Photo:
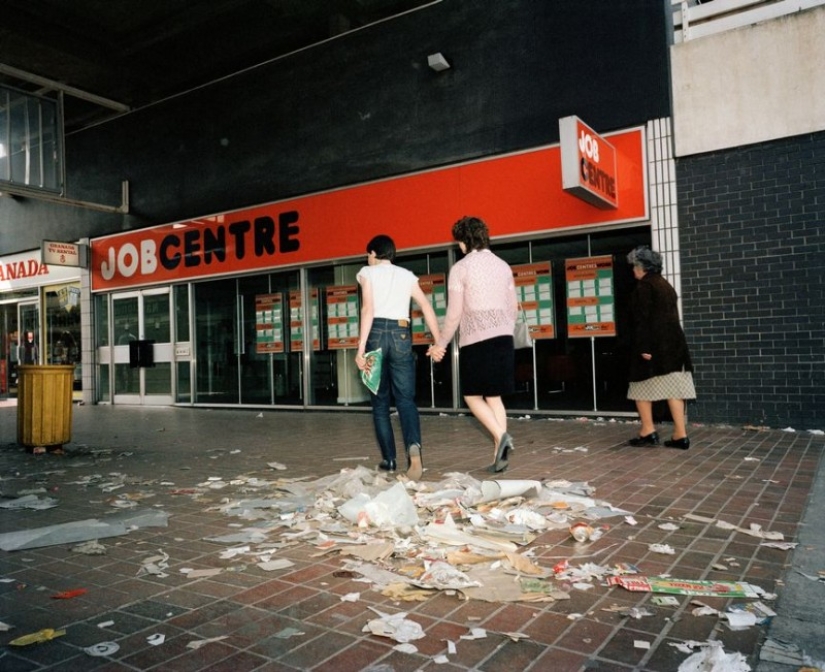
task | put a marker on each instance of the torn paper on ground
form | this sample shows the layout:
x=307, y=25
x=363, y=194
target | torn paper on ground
x=82, y=530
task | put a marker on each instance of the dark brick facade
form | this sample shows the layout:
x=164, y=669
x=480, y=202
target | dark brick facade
x=753, y=286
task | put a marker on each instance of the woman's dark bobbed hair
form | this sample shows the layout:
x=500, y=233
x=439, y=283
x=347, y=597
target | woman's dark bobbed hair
x=473, y=232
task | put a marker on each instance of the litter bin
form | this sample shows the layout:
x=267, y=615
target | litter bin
x=44, y=404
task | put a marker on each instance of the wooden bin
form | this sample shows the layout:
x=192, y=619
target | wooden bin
x=44, y=404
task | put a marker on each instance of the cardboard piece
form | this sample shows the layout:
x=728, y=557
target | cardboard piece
x=684, y=587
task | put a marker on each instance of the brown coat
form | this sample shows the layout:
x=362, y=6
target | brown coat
x=656, y=330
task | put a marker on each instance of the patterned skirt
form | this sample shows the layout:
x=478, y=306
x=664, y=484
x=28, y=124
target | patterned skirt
x=676, y=385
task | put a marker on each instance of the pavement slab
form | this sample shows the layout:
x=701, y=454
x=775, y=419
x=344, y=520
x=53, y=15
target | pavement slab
x=190, y=463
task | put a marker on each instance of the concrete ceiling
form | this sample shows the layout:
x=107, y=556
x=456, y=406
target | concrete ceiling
x=108, y=55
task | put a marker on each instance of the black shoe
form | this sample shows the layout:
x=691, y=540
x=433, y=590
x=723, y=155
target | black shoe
x=387, y=465
x=684, y=444
x=505, y=447
x=651, y=439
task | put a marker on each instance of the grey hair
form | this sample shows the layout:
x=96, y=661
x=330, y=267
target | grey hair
x=646, y=259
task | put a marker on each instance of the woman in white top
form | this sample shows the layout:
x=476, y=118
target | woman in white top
x=386, y=290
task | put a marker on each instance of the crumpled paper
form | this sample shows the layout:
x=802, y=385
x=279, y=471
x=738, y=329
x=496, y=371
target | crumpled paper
x=395, y=626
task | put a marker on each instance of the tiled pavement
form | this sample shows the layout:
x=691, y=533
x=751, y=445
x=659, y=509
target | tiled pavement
x=743, y=476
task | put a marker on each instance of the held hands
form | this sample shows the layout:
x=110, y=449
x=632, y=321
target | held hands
x=361, y=361
x=647, y=356
x=436, y=353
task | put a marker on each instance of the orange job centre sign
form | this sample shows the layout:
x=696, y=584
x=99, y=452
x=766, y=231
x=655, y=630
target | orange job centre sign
x=589, y=168
x=516, y=194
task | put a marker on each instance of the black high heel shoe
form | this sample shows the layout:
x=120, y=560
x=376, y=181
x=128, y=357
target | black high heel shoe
x=684, y=444
x=505, y=447
x=651, y=439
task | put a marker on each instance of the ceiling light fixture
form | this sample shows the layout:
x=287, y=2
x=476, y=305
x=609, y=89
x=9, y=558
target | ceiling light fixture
x=437, y=62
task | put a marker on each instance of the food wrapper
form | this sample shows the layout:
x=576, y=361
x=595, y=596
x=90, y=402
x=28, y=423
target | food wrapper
x=371, y=375
x=684, y=587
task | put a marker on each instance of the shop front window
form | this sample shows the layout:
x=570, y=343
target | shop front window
x=63, y=337
x=244, y=350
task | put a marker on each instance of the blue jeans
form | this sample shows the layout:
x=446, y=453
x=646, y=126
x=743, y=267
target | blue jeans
x=397, y=382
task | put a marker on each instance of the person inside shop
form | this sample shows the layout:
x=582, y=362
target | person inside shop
x=482, y=305
x=660, y=364
x=386, y=291
x=27, y=350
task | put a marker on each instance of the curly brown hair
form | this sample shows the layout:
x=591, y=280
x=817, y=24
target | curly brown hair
x=473, y=232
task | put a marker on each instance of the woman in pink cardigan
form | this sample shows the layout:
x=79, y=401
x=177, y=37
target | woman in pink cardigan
x=482, y=306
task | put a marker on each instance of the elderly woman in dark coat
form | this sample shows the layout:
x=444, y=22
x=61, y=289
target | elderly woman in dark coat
x=660, y=366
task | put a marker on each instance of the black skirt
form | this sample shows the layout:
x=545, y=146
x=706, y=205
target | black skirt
x=487, y=367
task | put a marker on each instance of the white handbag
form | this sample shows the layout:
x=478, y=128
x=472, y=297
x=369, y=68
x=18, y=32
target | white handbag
x=521, y=333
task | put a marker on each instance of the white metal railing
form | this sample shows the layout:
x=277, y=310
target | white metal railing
x=698, y=18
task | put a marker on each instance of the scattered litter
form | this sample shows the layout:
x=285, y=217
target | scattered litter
x=5, y=627
x=103, y=649
x=105, y=624
x=405, y=648
x=273, y=565
x=276, y=465
x=662, y=548
x=668, y=526
x=44, y=635
x=641, y=644
x=157, y=639
x=69, y=594
x=516, y=636
x=702, y=609
x=630, y=520
x=777, y=651
x=198, y=643
x=351, y=597
x=740, y=620
x=155, y=565
x=820, y=575
x=92, y=547
x=685, y=587
x=761, y=612
x=201, y=573
x=754, y=530
x=395, y=626
x=82, y=530
x=782, y=545
x=664, y=601
x=288, y=633
x=475, y=633
x=581, y=532
x=712, y=658
x=29, y=502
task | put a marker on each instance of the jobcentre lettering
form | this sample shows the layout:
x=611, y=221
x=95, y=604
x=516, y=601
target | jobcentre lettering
x=590, y=170
x=204, y=246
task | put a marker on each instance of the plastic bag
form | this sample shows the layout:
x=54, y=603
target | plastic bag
x=371, y=375
x=521, y=332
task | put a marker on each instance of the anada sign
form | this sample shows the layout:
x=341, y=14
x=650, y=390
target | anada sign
x=588, y=164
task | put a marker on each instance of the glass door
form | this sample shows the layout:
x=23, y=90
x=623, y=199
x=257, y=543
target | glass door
x=242, y=341
x=218, y=343
x=142, y=347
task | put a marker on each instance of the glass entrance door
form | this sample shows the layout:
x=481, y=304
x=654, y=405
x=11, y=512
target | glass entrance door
x=238, y=361
x=142, y=347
